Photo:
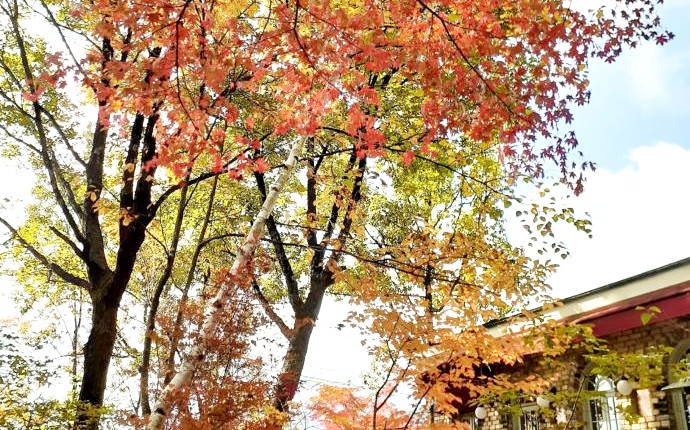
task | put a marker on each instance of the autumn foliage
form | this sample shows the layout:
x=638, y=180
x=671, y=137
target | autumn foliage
x=230, y=389
x=337, y=408
x=409, y=122
x=502, y=74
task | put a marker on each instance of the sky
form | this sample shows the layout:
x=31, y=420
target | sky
x=636, y=129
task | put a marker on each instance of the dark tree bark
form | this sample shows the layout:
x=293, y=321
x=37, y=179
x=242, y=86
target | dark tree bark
x=298, y=346
x=306, y=311
x=108, y=286
x=97, y=353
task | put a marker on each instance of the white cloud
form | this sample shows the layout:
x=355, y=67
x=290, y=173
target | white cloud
x=656, y=76
x=640, y=216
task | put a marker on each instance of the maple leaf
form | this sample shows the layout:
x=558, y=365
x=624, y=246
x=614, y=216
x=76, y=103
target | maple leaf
x=260, y=165
x=408, y=157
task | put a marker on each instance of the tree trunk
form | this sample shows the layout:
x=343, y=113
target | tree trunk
x=155, y=303
x=321, y=278
x=97, y=353
x=296, y=355
x=293, y=363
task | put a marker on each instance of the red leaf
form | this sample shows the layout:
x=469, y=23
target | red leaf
x=408, y=157
x=260, y=165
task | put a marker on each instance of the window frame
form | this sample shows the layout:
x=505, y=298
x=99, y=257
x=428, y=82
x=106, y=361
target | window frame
x=606, y=401
x=534, y=411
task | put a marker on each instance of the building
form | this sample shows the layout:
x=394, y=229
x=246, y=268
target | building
x=651, y=309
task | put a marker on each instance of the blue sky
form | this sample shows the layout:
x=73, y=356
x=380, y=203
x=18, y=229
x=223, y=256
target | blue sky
x=644, y=97
x=636, y=129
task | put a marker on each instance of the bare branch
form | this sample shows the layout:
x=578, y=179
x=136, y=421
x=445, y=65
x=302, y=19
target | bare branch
x=268, y=308
x=285, y=266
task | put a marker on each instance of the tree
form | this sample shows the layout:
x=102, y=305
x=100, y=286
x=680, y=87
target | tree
x=98, y=245
x=337, y=408
x=195, y=89
x=485, y=79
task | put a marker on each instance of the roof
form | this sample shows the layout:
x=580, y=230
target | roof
x=611, y=308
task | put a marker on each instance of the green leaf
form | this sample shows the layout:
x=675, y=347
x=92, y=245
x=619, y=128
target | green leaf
x=645, y=318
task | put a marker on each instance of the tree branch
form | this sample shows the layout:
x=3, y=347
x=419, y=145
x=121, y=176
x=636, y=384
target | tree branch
x=67, y=187
x=75, y=248
x=191, y=271
x=127, y=191
x=63, y=136
x=348, y=219
x=55, y=268
x=76, y=63
x=155, y=303
x=216, y=307
x=18, y=140
x=42, y=136
x=311, y=195
x=320, y=250
x=268, y=308
x=472, y=67
x=202, y=177
x=285, y=266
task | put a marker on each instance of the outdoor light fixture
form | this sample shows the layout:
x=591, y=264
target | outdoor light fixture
x=543, y=402
x=480, y=412
x=624, y=387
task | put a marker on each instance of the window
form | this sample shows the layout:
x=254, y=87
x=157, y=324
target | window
x=529, y=418
x=601, y=413
x=679, y=389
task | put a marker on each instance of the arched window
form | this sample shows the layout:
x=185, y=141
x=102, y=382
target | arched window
x=679, y=389
x=600, y=411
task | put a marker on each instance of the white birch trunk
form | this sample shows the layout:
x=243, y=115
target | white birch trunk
x=215, y=307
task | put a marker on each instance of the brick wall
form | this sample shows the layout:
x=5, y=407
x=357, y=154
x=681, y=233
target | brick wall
x=653, y=406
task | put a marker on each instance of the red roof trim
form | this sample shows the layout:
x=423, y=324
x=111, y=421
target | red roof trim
x=647, y=299
x=673, y=302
